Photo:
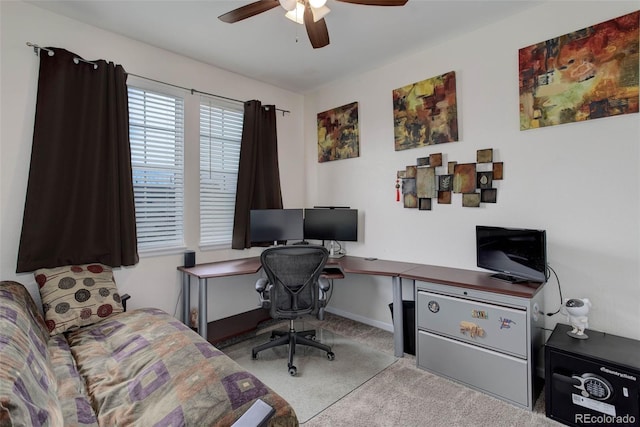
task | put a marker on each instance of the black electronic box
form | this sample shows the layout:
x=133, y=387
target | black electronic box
x=593, y=381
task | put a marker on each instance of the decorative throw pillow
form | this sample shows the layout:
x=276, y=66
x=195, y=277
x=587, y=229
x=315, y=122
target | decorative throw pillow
x=77, y=295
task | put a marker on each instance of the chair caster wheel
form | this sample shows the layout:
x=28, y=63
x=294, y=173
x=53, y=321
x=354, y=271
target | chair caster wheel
x=331, y=355
x=293, y=371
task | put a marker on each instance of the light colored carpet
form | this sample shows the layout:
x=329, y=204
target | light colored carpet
x=404, y=395
x=319, y=381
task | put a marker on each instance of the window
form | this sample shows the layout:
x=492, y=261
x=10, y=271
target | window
x=156, y=132
x=220, y=136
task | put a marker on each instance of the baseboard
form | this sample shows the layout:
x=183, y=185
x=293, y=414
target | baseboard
x=376, y=323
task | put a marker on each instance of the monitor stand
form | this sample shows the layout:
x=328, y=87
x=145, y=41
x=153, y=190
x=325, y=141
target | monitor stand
x=332, y=251
x=508, y=278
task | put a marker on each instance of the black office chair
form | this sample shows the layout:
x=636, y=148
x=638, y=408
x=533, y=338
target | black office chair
x=293, y=288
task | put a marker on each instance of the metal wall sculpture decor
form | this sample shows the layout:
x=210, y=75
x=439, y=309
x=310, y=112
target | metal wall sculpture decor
x=421, y=183
x=426, y=112
x=338, y=133
x=587, y=74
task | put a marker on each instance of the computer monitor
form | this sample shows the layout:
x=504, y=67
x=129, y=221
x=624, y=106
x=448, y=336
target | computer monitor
x=275, y=225
x=331, y=224
x=516, y=254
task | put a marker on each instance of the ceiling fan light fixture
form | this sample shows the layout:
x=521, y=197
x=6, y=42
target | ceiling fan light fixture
x=319, y=12
x=316, y=4
x=297, y=14
x=288, y=5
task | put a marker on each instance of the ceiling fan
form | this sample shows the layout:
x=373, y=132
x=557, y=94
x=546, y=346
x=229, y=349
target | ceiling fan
x=308, y=12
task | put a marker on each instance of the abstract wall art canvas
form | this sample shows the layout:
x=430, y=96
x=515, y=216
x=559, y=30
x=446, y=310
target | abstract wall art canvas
x=464, y=178
x=338, y=134
x=471, y=200
x=426, y=183
x=433, y=180
x=409, y=193
x=587, y=74
x=426, y=112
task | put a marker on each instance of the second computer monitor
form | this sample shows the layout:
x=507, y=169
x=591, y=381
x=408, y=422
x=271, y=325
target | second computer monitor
x=275, y=225
x=338, y=224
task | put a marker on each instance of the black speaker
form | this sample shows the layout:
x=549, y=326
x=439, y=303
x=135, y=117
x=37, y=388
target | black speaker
x=189, y=259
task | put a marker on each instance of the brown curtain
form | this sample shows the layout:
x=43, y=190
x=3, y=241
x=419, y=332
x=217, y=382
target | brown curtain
x=79, y=206
x=258, y=172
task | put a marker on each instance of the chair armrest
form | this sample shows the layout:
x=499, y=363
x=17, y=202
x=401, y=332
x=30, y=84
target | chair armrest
x=123, y=300
x=261, y=285
x=324, y=284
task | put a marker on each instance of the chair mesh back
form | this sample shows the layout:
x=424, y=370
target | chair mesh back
x=293, y=272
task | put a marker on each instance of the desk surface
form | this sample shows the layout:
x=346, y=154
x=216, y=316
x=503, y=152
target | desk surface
x=378, y=267
x=233, y=267
x=470, y=279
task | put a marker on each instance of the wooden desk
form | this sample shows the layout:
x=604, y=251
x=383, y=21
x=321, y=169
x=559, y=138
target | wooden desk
x=397, y=270
x=470, y=279
x=348, y=264
x=206, y=271
x=393, y=269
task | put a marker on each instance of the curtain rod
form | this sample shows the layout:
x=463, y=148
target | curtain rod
x=76, y=59
x=36, y=48
x=199, y=91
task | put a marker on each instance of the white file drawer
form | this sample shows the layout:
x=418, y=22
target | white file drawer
x=501, y=328
x=495, y=373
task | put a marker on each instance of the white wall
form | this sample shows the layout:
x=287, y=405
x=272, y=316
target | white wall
x=578, y=181
x=155, y=280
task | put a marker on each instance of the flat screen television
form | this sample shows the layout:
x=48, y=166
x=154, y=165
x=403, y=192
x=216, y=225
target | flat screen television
x=275, y=225
x=516, y=254
x=339, y=224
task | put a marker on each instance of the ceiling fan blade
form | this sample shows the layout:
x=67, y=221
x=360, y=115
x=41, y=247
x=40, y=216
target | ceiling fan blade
x=317, y=31
x=248, y=10
x=376, y=2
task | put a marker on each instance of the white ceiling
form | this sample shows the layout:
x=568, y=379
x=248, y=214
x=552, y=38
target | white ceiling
x=272, y=49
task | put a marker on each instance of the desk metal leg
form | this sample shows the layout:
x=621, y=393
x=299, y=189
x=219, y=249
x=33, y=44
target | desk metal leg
x=398, y=321
x=202, y=308
x=186, y=298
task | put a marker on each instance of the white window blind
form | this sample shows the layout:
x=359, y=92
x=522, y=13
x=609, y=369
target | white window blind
x=156, y=132
x=220, y=136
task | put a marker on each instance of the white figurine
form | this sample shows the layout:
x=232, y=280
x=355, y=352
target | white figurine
x=576, y=311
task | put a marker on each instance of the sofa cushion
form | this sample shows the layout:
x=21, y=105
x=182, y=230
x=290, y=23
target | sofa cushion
x=72, y=393
x=145, y=368
x=28, y=388
x=77, y=295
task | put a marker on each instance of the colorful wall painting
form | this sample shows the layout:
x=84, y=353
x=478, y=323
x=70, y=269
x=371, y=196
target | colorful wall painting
x=426, y=112
x=426, y=182
x=471, y=200
x=488, y=195
x=587, y=74
x=497, y=170
x=484, y=156
x=464, y=178
x=338, y=133
x=410, y=197
x=432, y=178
